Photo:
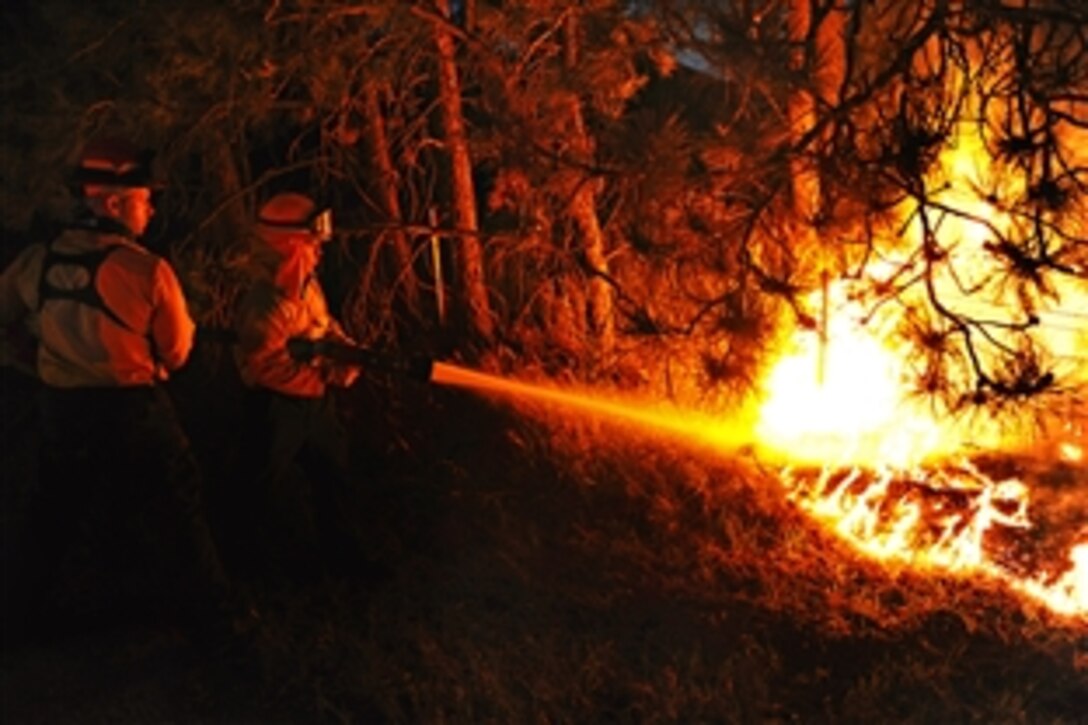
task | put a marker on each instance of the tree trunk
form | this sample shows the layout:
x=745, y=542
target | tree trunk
x=805, y=182
x=469, y=252
x=825, y=69
x=406, y=285
x=818, y=79
x=584, y=209
x=212, y=294
x=470, y=15
x=226, y=185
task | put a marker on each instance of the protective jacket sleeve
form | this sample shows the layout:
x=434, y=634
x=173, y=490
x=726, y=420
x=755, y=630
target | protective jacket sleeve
x=340, y=375
x=267, y=318
x=172, y=328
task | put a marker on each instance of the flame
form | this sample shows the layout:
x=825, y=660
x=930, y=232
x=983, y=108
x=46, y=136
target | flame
x=883, y=470
x=1070, y=452
x=853, y=412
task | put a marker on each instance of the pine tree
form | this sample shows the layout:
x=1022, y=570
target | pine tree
x=470, y=268
x=553, y=79
x=866, y=158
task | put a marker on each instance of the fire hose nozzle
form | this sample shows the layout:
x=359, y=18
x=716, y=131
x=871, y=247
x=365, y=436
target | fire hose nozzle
x=302, y=349
x=416, y=367
x=420, y=368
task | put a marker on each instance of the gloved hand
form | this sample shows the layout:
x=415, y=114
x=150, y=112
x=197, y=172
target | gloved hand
x=343, y=376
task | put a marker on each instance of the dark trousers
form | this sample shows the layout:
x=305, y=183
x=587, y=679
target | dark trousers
x=284, y=432
x=117, y=477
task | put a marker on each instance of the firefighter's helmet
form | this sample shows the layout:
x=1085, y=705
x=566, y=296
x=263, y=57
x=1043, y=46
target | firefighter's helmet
x=296, y=216
x=116, y=163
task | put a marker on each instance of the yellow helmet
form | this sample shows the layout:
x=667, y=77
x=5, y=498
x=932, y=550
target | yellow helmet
x=288, y=215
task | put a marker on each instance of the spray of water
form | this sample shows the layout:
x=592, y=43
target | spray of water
x=721, y=434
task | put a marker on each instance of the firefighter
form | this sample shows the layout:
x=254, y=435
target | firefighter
x=292, y=422
x=112, y=325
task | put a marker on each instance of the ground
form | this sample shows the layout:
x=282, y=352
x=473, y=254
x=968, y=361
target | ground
x=538, y=568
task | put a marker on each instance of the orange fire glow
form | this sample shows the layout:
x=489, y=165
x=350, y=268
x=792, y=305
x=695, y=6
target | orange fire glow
x=885, y=472
x=888, y=473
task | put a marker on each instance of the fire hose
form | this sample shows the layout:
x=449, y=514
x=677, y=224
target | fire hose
x=306, y=350
x=416, y=367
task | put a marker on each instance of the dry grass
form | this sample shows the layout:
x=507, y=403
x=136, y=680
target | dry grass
x=565, y=571
x=579, y=571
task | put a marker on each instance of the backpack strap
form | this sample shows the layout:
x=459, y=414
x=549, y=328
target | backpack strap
x=87, y=294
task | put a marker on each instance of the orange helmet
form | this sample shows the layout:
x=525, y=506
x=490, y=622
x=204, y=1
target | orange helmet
x=114, y=162
x=287, y=216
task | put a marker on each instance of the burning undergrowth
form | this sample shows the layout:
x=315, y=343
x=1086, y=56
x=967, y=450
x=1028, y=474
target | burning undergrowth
x=970, y=497
x=965, y=519
x=887, y=481
x=683, y=585
x=805, y=522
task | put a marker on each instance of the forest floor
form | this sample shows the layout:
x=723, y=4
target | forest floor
x=539, y=569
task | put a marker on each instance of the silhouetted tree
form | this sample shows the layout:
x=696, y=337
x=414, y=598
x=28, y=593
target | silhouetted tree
x=470, y=267
x=649, y=174
x=869, y=154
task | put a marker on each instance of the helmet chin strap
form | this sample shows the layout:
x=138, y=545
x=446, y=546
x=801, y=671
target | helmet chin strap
x=295, y=272
x=96, y=219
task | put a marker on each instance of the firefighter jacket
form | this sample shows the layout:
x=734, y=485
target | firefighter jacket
x=286, y=302
x=106, y=311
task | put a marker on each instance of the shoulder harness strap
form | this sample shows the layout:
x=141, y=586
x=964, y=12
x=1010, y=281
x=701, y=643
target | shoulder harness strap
x=87, y=294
